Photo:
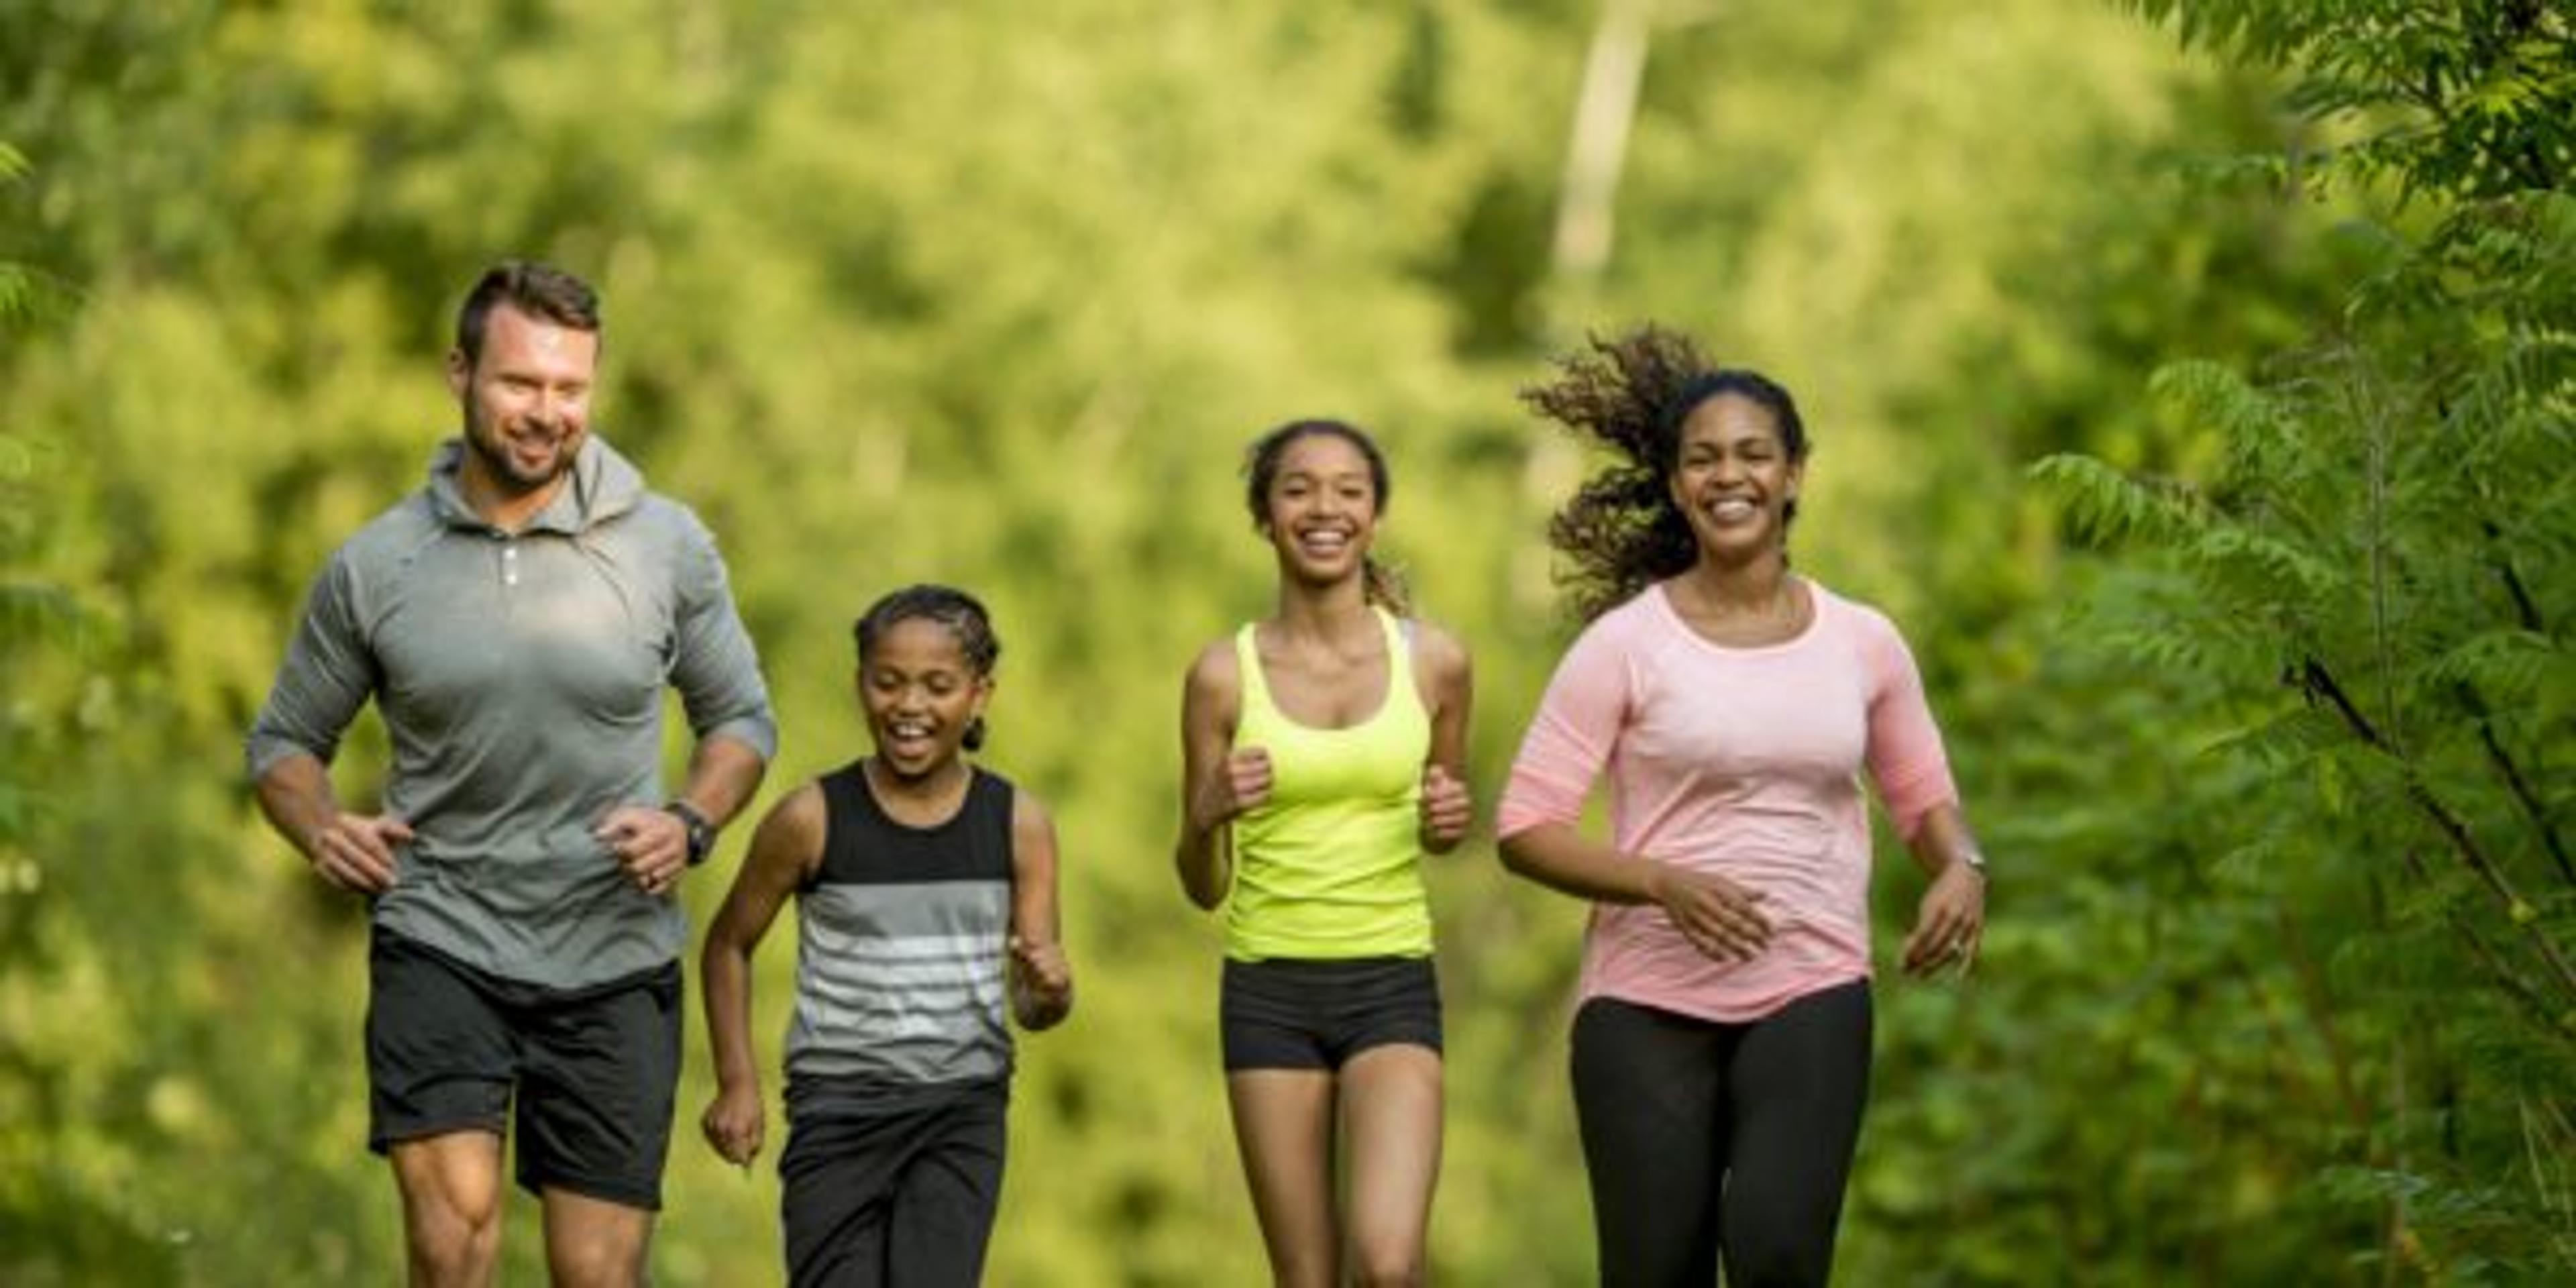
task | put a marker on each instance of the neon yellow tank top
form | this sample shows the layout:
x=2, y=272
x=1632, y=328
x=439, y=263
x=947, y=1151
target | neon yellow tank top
x=1331, y=865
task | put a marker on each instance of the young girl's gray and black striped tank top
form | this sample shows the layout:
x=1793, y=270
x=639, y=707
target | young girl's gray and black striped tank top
x=899, y=966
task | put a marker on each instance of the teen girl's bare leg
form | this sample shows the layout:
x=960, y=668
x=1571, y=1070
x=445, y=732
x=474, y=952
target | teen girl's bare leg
x=1391, y=1127
x=1283, y=1123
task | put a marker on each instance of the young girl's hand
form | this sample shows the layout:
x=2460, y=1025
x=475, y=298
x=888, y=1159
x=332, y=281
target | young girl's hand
x=733, y=1124
x=1041, y=983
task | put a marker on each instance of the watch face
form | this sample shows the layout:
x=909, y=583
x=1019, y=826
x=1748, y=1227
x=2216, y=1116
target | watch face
x=701, y=836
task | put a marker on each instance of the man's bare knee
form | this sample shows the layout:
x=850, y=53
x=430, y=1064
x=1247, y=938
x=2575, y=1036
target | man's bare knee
x=448, y=1251
x=595, y=1263
x=451, y=1192
x=594, y=1243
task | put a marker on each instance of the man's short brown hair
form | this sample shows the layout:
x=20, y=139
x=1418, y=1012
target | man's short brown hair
x=538, y=290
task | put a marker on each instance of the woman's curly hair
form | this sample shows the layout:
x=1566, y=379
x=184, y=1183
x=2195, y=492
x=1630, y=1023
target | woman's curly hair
x=1631, y=394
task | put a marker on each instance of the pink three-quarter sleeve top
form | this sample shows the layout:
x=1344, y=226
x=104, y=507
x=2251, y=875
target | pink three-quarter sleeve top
x=1744, y=762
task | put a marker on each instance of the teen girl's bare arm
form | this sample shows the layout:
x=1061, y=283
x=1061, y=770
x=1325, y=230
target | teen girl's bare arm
x=1218, y=780
x=1445, y=677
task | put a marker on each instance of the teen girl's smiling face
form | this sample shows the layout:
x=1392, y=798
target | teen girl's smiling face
x=1321, y=514
x=1734, y=479
x=921, y=694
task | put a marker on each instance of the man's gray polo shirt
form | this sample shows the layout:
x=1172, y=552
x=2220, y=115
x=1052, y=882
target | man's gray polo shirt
x=521, y=676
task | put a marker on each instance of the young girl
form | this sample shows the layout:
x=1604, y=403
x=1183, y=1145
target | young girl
x=1323, y=754
x=1721, y=1053
x=926, y=894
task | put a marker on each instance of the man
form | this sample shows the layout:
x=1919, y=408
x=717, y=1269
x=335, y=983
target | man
x=515, y=621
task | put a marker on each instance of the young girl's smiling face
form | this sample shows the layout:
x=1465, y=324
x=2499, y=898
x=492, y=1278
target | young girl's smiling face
x=921, y=695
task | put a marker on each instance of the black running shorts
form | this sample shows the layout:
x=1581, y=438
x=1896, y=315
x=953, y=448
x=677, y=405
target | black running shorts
x=1301, y=1014
x=593, y=1070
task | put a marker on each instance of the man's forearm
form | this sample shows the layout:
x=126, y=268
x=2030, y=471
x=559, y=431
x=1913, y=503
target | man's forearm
x=723, y=774
x=295, y=793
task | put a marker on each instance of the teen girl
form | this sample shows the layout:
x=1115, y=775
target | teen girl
x=1323, y=753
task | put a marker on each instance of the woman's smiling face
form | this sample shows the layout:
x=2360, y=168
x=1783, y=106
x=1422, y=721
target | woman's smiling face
x=1733, y=477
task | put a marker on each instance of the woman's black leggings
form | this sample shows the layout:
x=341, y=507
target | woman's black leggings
x=1709, y=1140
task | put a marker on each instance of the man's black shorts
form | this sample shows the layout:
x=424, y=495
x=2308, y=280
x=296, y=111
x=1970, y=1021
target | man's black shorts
x=594, y=1069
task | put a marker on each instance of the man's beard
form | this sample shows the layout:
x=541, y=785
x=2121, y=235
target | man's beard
x=492, y=447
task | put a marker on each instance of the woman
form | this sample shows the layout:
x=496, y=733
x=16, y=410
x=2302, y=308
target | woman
x=926, y=892
x=1721, y=1048
x=1323, y=754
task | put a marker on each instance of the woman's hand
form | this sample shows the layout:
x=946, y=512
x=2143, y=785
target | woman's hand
x=1950, y=921
x=1716, y=915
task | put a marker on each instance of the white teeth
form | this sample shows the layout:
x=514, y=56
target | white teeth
x=1732, y=508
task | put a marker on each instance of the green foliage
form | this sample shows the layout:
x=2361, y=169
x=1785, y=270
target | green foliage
x=2469, y=99
x=2375, y=578
x=26, y=296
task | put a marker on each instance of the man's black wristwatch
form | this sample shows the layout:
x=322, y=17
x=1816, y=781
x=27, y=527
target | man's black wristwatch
x=702, y=834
